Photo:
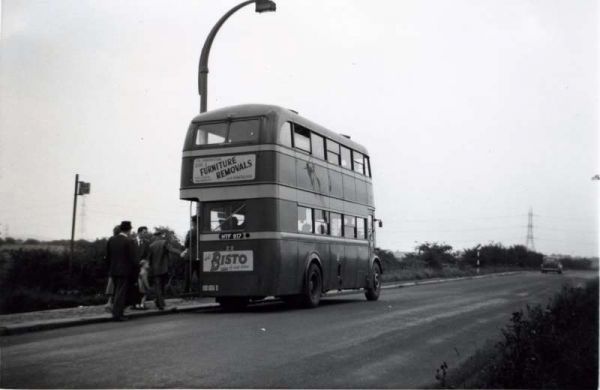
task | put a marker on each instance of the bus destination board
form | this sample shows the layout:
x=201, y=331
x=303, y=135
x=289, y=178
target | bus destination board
x=218, y=169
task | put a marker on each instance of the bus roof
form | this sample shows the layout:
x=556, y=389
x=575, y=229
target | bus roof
x=251, y=110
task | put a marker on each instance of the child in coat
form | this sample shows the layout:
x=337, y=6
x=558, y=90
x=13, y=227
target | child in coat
x=143, y=283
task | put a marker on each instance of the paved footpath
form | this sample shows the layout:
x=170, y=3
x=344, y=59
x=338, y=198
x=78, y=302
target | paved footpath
x=58, y=318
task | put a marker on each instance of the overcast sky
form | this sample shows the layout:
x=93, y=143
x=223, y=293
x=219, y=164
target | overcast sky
x=472, y=111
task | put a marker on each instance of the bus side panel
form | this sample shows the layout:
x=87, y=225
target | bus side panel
x=330, y=280
x=286, y=170
x=287, y=216
x=361, y=191
x=304, y=175
x=335, y=184
x=350, y=265
x=363, y=265
x=338, y=256
x=289, y=268
x=349, y=187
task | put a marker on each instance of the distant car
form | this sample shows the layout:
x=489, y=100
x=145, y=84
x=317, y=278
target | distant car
x=551, y=266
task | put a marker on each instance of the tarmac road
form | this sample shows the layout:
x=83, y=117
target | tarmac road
x=396, y=342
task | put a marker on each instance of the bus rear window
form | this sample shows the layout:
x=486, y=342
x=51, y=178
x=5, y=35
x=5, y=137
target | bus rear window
x=226, y=216
x=228, y=132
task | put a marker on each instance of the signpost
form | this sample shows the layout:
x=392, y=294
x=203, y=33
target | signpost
x=81, y=188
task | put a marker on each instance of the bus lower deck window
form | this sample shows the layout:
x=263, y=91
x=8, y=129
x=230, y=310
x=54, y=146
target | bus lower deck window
x=227, y=216
x=335, y=224
x=304, y=220
x=349, y=226
x=360, y=228
x=321, y=222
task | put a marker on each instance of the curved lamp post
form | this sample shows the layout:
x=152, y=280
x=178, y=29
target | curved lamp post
x=261, y=6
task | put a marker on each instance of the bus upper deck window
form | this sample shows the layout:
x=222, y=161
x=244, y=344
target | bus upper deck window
x=367, y=166
x=285, y=135
x=213, y=133
x=359, y=162
x=243, y=131
x=317, y=146
x=333, y=152
x=346, y=162
x=302, y=138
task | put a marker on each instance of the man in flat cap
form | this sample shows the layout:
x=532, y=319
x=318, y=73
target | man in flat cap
x=122, y=256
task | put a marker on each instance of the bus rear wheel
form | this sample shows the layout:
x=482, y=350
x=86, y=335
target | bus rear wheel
x=313, y=287
x=232, y=303
x=372, y=292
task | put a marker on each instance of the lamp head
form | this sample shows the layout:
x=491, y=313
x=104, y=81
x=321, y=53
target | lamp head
x=265, y=6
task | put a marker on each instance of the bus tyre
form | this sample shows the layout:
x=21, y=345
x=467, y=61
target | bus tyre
x=372, y=292
x=233, y=303
x=313, y=287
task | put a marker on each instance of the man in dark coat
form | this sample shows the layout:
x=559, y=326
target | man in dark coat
x=159, y=265
x=191, y=255
x=142, y=251
x=122, y=255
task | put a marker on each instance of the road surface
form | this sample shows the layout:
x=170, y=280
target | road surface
x=396, y=342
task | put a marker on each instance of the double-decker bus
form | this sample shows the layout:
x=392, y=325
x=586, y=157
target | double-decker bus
x=285, y=207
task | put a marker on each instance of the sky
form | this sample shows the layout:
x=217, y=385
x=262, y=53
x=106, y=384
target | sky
x=473, y=111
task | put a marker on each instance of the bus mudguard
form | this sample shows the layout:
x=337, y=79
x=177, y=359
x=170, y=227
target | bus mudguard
x=312, y=257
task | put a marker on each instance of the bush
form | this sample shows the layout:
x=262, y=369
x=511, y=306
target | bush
x=555, y=347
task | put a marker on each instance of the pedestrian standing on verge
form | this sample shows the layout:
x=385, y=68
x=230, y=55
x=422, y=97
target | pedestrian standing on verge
x=142, y=245
x=121, y=253
x=190, y=255
x=159, y=265
x=110, y=287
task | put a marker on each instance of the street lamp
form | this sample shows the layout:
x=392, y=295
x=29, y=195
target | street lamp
x=261, y=6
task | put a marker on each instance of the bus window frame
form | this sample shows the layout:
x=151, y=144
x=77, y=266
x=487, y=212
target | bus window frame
x=296, y=127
